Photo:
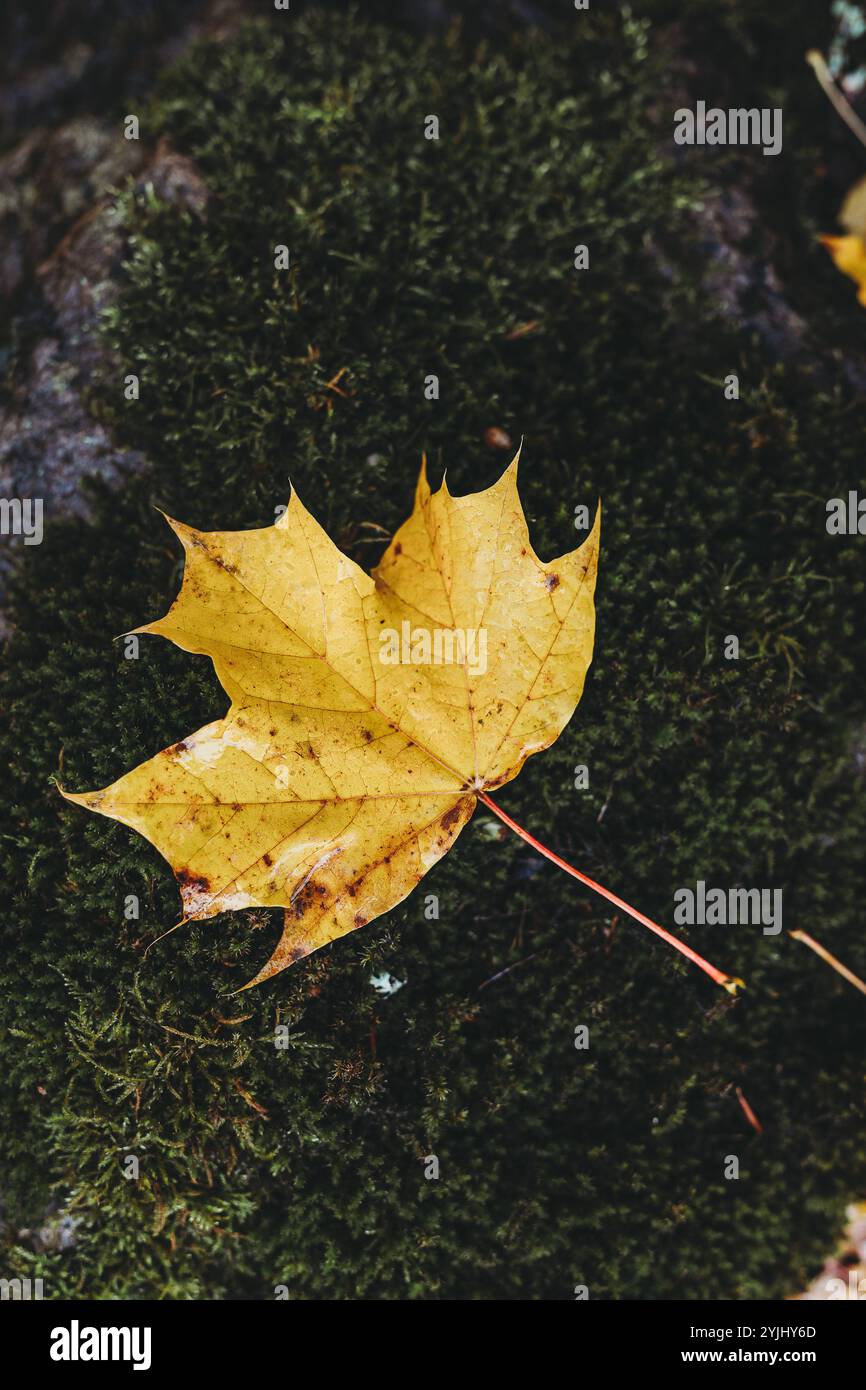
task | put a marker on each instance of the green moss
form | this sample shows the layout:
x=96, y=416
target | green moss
x=557, y=1167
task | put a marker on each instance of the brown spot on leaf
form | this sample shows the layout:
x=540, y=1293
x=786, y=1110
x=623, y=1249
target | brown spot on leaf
x=451, y=817
x=225, y=565
x=551, y=582
x=266, y=859
x=305, y=897
x=366, y=736
x=398, y=549
x=195, y=883
x=360, y=920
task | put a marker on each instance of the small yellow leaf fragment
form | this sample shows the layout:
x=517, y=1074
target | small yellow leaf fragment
x=852, y=214
x=849, y=255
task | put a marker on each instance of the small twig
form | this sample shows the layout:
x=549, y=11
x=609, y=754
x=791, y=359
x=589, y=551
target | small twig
x=728, y=982
x=522, y=330
x=251, y=1102
x=600, y=817
x=841, y=105
x=749, y=1112
x=829, y=958
x=507, y=971
x=333, y=386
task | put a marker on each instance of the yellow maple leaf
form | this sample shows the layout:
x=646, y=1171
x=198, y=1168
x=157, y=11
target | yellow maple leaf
x=367, y=713
x=849, y=256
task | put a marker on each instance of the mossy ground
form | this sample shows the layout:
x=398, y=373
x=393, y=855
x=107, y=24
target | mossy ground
x=304, y=1167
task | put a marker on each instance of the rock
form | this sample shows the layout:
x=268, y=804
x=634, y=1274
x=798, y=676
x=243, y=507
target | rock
x=175, y=179
x=49, y=440
x=50, y=179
